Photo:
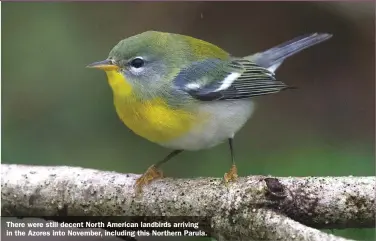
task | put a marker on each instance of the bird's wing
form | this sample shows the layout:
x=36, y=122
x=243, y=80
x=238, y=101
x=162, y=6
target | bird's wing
x=215, y=79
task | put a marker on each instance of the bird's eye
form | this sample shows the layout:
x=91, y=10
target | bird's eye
x=137, y=63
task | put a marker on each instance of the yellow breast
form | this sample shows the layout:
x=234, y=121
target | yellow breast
x=151, y=119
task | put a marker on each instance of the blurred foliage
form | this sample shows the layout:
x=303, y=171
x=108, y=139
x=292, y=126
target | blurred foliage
x=56, y=112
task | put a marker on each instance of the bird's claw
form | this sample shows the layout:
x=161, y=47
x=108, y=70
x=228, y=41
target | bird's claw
x=232, y=175
x=151, y=173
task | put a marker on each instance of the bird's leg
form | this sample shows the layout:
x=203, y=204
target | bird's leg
x=232, y=175
x=153, y=172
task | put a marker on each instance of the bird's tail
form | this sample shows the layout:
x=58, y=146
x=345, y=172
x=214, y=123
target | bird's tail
x=273, y=58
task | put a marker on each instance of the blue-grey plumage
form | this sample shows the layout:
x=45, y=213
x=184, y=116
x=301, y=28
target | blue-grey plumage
x=215, y=79
x=187, y=94
x=273, y=58
x=239, y=78
x=223, y=90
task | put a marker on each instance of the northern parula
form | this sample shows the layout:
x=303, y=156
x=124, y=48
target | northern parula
x=187, y=94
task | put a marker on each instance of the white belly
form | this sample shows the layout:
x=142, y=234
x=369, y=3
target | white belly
x=226, y=118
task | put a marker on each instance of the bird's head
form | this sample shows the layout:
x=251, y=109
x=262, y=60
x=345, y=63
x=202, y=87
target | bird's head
x=150, y=60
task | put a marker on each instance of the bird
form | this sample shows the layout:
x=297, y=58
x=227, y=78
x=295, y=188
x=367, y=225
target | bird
x=187, y=94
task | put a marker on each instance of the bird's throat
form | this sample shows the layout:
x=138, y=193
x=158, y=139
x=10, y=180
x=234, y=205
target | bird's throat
x=119, y=83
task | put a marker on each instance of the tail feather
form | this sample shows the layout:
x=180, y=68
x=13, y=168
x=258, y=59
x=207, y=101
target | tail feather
x=273, y=58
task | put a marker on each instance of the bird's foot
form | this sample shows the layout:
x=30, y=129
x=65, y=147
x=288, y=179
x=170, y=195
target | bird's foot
x=151, y=173
x=232, y=175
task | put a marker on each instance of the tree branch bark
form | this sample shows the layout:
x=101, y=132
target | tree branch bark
x=254, y=207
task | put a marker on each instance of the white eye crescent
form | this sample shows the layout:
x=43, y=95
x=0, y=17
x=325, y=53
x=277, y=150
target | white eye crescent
x=137, y=64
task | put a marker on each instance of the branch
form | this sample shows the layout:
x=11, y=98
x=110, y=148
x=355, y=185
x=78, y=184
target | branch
x=254, y=207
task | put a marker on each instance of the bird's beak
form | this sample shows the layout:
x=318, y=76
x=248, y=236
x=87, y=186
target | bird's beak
x=105, y=65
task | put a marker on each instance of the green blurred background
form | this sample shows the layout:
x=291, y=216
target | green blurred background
x=57, y=112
